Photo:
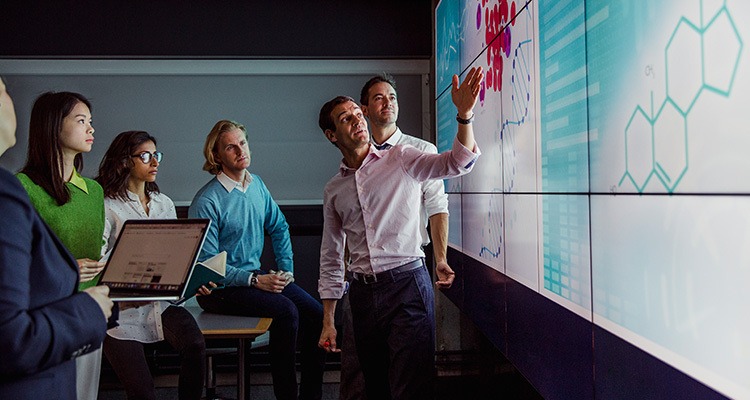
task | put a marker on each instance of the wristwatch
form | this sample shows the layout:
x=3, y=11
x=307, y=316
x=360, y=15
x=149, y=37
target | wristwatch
x=465, y=121
x=253, y=279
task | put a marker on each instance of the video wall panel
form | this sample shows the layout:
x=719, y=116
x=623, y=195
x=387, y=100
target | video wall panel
x=613, y=176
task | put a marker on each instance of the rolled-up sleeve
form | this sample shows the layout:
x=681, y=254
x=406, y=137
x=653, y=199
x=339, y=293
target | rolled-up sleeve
x=424, y=166
x=464, y=157
x=434, y=198
x=331, y=281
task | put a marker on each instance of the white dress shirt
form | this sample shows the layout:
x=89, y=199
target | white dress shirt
x=230, y=184
x=142, y=324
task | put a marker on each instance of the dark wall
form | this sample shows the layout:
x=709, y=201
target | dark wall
x=559, y=352
x=222, y=28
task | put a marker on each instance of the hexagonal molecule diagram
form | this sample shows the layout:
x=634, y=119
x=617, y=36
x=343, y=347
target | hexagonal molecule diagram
x=664, y=134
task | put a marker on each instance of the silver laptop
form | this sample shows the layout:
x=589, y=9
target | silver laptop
x=153, y=259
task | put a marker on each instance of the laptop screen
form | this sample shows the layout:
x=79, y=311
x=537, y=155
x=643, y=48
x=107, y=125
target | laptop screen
x=154, y=255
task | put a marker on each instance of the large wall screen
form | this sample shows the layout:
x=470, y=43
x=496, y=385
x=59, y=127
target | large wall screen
x=614, y=178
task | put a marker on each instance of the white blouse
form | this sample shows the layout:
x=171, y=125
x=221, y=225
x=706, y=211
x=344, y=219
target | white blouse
x=142, y=324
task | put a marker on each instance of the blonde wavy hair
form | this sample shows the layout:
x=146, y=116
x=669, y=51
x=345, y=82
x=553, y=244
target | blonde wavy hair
x=212, y=140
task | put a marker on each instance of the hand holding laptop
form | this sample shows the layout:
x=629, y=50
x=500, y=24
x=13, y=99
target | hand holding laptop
x=100, y=294
x=89, y=268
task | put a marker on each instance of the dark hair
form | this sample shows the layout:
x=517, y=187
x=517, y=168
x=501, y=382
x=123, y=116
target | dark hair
x=365, y=93
x=114, y=170
x=45, y=147
x=325, y=120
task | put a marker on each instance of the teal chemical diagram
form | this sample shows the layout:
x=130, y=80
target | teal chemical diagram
x=649, y=132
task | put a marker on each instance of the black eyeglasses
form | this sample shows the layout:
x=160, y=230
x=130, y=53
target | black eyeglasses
x=146, y=156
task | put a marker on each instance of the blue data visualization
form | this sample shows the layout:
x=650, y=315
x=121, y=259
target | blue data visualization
x=614, y=176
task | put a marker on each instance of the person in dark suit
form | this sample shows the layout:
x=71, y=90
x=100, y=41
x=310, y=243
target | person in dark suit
x=45, y=322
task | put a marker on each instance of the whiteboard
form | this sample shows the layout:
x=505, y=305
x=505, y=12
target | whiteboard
x=179, y=101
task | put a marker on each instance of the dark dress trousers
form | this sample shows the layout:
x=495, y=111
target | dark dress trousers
x=44, y=321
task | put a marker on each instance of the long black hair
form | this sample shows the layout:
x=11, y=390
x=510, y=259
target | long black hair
x=114, y=170
x=44, y=159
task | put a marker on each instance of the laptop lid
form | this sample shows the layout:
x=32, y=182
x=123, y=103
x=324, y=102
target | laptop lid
x=152, y=259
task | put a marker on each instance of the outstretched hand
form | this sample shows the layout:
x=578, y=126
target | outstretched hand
x=465, y=95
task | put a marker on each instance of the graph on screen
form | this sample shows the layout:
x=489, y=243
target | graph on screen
x=613, y=176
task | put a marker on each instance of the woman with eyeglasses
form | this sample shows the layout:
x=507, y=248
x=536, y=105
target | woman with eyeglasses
x=60, y=130
x=128, y=175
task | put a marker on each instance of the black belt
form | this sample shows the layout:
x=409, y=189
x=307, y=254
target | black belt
x=368, y=279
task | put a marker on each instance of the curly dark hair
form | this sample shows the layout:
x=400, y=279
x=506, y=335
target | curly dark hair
x=114, y=170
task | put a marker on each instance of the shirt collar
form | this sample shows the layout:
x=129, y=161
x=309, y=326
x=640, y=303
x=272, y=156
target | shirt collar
x=77, y=180
x=393, y=140
x=345, y=170
x=230, y=184
x=373, y=152
x=134, y=197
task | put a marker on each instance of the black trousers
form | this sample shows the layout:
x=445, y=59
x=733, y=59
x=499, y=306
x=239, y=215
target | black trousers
x=394, y=330
x=182, y=333
x=352, y=384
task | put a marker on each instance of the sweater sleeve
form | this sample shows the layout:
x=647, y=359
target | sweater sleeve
x=277, y=227
x=203, y=207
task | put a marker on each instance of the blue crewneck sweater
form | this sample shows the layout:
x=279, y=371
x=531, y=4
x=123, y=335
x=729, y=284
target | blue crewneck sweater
x=238, y=224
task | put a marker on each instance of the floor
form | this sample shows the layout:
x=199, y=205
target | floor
x=457, y=378
x=260, y=387
x=448, y=388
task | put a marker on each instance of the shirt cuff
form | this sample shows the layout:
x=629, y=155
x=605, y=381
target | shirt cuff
x=464, y=156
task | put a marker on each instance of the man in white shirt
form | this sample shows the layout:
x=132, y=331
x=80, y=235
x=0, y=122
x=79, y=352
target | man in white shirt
x=379, y=102
x=372, y=206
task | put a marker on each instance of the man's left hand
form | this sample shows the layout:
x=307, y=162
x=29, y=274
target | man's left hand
x=445, y=275
x=465, y=95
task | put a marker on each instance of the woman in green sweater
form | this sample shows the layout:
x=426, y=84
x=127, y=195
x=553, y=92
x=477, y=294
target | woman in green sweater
x=73, y=206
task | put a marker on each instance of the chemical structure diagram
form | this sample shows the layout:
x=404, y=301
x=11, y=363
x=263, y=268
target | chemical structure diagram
x=688, y=76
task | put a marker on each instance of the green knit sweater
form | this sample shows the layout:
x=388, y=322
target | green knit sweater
x=78, y=223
